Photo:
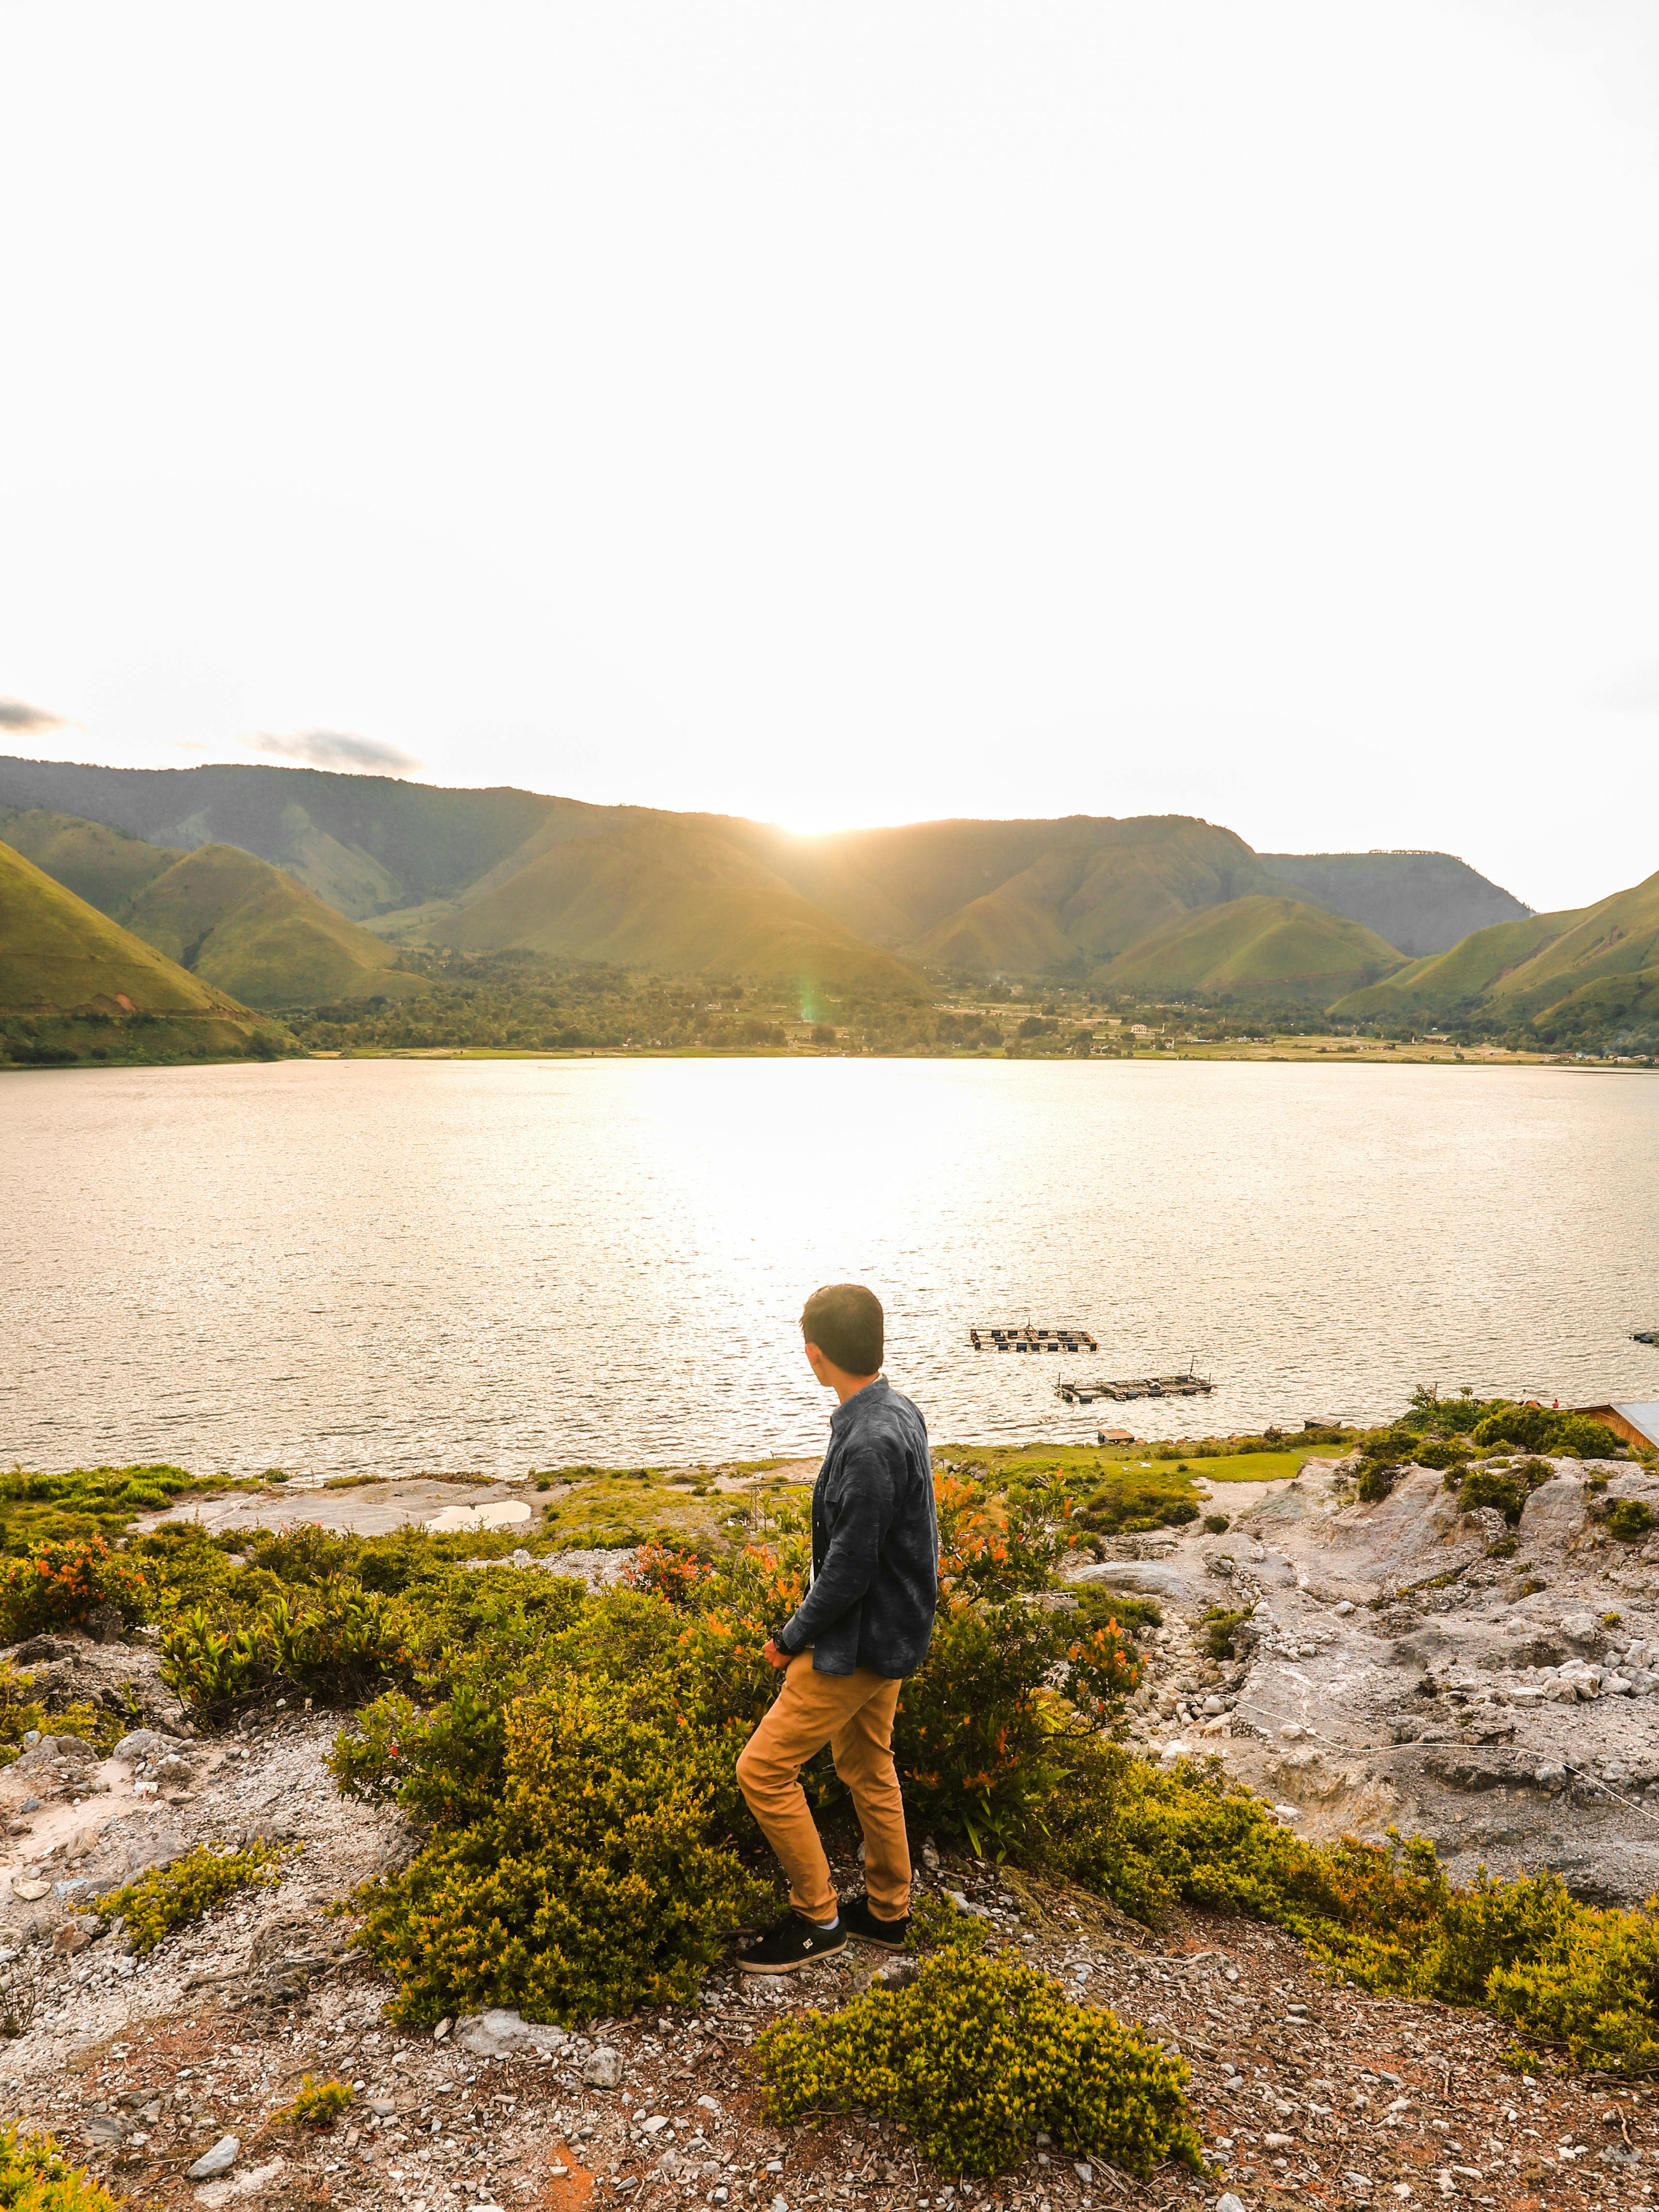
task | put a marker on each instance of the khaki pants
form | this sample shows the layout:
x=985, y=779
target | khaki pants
x=854, y=1715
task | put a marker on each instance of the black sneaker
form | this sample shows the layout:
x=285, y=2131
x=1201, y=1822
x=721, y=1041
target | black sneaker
x=792, y=1944
x=861, y=1923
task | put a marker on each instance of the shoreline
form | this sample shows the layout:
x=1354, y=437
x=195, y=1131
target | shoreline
x=1292, y=1052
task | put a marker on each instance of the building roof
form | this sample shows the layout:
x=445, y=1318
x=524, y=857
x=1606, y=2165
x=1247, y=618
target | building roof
x=1644, y=1415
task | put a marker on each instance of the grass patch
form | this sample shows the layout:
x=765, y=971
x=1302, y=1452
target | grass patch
x=92, y=1501
x=610, y=1509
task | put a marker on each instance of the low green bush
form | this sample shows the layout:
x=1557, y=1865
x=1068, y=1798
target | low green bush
x=1543, y=1429
x=582, y=1857
x=1376, y=1482
x=21, y=1711
x=1216, y=1524
x=975, y=2057
x=319, y=2103
x=172, y=1896
x=1442, y=1453
x=183, y=1566
x=1629, y=1520
x=59, y=1581
x=936, y=1925
x=1485, y=1486
x=1220, y=1627
x=1384, y=1915
x=335, y=1641
x=35, y=2177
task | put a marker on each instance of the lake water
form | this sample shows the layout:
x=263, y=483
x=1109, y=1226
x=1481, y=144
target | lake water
x=397, y=1266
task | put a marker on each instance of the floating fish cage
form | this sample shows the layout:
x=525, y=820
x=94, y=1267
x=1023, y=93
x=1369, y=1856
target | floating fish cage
x=1029, y=1338
x=1139, y=1386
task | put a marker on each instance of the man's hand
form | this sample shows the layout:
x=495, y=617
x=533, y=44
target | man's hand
x=774, y=1656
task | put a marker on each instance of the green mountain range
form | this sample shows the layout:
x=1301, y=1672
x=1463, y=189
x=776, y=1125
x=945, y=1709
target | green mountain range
x=229, y=918
x=875, y=911
x=58, y=955
x=1589, y=969
x=1255, y=947
x=1420, y=902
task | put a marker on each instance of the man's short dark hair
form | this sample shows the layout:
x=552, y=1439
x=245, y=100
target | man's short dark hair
x=845, y=1322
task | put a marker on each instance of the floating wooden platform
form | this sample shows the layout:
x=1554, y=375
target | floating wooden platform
x=1027, y=1337
x=1139, y=1386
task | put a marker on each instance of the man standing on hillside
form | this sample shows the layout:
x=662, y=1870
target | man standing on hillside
x=862, y=1626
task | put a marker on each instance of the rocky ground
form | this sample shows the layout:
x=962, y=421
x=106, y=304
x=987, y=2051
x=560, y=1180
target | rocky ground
x=1408, y=1664
x=1399, y=1668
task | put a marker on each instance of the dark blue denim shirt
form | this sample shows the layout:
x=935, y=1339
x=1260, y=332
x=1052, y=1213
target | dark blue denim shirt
x=875, y=1541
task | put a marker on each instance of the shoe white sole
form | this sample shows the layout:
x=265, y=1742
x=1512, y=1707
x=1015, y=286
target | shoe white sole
x=789, y=1965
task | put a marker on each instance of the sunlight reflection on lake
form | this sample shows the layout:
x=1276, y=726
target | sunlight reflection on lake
x=392, y=1266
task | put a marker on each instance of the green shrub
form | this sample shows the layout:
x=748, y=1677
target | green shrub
x=1485, y=1487
x=1220, y=1627
x=975, y=1735
x=335, y=1642
x=1132, y=1497
x=975, y=2057
x=169, y=1897
x=215, y=1669
x=1431, y=1414
x=1629, y=1520
x=182, y=1566
x=936, y=1925
x=1216, y=1524
x=1385, y=1915
x=1374, y=1483
x=339, y=1642
x=1150, y=1839
x=998, y=1548
x=34, y=2177
x=1563, y=1971
x=319, y=2103
x=581, y=1858
x=1442, y=1454
x=1542, y=1428
x=59, y=1581
x=20, y=1712
x=304, y=1553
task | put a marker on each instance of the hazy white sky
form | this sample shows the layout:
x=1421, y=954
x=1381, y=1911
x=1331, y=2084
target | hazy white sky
x=853, y=413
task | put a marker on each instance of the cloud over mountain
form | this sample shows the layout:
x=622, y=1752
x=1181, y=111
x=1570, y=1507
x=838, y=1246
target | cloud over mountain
x=338, y=749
